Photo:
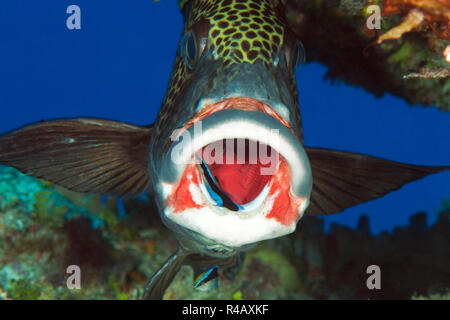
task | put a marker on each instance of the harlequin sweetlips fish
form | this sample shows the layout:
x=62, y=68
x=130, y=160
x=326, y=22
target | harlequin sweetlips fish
x=224, y=160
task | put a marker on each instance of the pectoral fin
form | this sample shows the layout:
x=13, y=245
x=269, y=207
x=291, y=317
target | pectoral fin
x=84, y=155
x=160, y=281
x=204, y=267
x=344, y=179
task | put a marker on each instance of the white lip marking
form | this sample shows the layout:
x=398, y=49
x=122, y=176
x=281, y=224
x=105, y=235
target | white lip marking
x=230, y=229
x=256, y=203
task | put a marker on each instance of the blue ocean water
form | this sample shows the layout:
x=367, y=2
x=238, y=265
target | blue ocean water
x=118, y=64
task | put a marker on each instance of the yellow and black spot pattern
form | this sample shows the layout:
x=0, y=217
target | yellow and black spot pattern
x=242, y=30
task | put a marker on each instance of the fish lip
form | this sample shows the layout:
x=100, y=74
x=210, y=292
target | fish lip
x=208, y=106
x=236, y=103
x=229, y=123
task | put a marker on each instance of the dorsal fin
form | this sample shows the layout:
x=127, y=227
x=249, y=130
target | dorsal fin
x=185, y=7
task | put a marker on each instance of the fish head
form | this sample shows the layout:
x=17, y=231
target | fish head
x=227, y=161
x=224, y=158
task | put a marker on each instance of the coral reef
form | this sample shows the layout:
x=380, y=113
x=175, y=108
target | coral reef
x=44, y=229
x=405, y=57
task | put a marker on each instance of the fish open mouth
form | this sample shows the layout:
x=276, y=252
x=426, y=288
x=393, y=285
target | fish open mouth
x=236, y=175
x=235, y=171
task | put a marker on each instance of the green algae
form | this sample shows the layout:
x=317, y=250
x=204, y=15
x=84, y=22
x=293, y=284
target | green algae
x=237, y=295
x=433, y=297
x=23, y=290
x=286, y=272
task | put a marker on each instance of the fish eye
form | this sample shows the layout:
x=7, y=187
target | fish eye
x=298, y=56
x=189, y=49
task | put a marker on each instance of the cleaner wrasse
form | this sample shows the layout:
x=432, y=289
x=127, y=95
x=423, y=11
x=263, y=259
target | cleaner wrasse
x=224, y=160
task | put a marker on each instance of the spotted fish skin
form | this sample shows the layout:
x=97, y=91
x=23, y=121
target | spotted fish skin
x=244, y=41
x=241, y=30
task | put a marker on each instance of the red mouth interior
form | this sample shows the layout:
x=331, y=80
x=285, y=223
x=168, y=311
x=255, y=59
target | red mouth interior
x=244, y=181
